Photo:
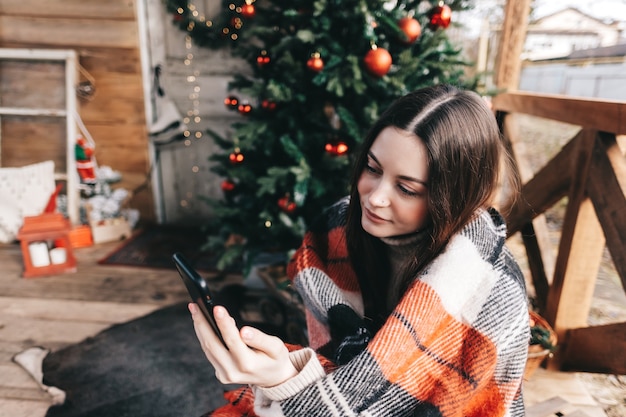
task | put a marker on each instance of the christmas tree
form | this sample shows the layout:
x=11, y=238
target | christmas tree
x=321, y=71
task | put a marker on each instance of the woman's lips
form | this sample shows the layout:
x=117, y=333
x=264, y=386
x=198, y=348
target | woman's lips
x=373, y=217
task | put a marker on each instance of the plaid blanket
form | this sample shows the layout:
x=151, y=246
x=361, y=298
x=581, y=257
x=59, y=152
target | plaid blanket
x=455, y=345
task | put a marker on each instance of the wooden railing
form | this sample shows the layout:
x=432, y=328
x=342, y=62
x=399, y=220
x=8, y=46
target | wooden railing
x=590, y=170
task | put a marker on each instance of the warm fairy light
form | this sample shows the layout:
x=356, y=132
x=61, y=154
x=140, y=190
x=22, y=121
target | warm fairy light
x=268, y=223
x=195, y=169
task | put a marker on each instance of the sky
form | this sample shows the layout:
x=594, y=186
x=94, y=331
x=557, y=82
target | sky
x=602, y=9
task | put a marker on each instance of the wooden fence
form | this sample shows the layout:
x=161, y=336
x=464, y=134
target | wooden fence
x=590, y=170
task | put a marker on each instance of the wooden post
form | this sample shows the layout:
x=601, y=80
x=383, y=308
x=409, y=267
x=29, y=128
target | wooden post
x=512, y=38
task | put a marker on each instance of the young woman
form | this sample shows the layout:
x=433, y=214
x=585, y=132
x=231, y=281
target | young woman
x=415, y=307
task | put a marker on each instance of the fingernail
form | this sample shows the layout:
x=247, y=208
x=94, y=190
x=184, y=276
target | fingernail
x=247, y=333
x=192, y=308
x=219, y=311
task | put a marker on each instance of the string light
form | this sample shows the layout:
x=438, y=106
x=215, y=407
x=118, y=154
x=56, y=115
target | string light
x=192, y=118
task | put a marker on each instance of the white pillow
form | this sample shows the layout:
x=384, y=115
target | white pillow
x=24, y=191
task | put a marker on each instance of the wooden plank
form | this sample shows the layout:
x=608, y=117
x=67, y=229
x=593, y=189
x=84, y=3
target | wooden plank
x=536, y=265
x=73, y=310
x=600, y=349
x=569, y=298
x=28, y=140
x=94, y=9
x=63, y=32
x=117, y=100
x=607, y=189
x=18, y=78
x=100, y=61
x=25, y=394
x=20, y=408
x=545, y=189
x=580, y=249
x=546, y=408
x=535, y=234
x=597, y=114
x=511, y=44
x=48, y=331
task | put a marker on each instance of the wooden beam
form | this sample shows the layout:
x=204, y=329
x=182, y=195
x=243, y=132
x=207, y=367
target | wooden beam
x=536, y=265
x=547, y=187
x=512, y=38
x=95, y=9
x=580, y=249
x=607, y=189
x=599, y=349
x=601, y=115
x=62, y=32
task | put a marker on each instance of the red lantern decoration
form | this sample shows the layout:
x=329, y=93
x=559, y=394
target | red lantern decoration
x=336, y=148
x=286, y=204
x=263, y=59
x=315, y=63
x=236, y=157
x=377, y=61
x=227, y=186
x=244, y=108
x=231, y=102
x=440, y=16
x=247, y=10
x=411, y=28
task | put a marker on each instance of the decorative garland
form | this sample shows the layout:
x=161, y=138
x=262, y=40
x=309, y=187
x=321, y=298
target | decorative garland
x=215, y=33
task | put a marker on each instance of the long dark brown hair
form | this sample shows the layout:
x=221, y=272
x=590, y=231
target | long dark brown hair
x=465, y=150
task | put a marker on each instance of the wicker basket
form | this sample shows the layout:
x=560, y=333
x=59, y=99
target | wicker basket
x=537, y=353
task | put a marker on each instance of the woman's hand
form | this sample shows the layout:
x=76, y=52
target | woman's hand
x=252, y=357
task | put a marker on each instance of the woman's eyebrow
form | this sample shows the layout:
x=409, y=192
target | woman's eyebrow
x=371, y=155
x=403, y=177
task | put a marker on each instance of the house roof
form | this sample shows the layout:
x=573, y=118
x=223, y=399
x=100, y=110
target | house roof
x=600, y=52
x=574, y=9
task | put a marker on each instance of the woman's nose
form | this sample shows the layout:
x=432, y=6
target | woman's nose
x=379, y=196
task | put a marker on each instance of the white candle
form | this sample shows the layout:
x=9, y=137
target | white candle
x=39, y=254
x=58, y=255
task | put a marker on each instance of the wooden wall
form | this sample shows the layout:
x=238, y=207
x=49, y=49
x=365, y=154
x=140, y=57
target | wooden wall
x=105, y=35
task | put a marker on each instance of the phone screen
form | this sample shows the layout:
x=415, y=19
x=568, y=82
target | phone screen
x=198, y=290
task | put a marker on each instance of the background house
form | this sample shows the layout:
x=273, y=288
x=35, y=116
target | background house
x=568, y=30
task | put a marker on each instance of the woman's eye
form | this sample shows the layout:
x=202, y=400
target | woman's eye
x=408, y=192
x=371, y=169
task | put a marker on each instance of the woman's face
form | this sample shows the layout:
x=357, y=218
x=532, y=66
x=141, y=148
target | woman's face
x=393, y=186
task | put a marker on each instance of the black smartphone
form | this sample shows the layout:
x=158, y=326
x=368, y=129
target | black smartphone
x=198, y=290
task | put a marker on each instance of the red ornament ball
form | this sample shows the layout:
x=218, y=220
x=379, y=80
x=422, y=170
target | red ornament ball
x=236, y=157
x=227, y=186
x=231, y=102
x=315, y=63
x=336, y=148
x=377, y=61
x=244, y=108
x=286, y=204
x=247, y=10
x=411, y=28
x=440, y=16
x=268, y=105
x=263, y=59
